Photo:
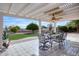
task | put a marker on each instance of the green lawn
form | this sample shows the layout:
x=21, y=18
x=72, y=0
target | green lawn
x=20, y=36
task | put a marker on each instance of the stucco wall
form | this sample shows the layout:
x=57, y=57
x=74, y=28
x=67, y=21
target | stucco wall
x=1, y=29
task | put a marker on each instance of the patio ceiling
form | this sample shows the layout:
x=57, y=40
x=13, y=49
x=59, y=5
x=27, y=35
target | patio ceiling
x=37, y=10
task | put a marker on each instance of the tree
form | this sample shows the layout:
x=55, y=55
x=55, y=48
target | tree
x=17, y=27
x=74, y=24
x=14, y=28
x=32, y=27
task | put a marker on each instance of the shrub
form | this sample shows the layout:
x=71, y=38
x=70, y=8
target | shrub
x=71, y=29
x=14, y=28
x=63, y=28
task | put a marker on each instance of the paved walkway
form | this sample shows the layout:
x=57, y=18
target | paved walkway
x=23, y=40
x=73, y=37
x=23, y=47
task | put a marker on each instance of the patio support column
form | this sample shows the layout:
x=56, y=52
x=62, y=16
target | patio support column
x=39, y=34
x=1, y=30
x=54, y=27
x=39, y=29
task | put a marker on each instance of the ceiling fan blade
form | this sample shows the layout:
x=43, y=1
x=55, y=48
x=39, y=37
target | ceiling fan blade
x=53, y=9
x=58, y=12
x=51, y=20
x=58, y=18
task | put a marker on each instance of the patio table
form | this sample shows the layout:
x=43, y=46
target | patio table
x=57, y=34
x=49, y=39
x=53, y=36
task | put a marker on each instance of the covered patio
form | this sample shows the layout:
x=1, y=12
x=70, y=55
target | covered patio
x=44, y=12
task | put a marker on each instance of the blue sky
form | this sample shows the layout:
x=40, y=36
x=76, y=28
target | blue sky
x=9, y=21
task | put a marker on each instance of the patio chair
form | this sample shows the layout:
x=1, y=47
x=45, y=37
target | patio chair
x=60, y=39
x=64, y=36
x=45, y=41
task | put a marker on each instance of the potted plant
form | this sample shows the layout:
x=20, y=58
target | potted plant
x=5, y=38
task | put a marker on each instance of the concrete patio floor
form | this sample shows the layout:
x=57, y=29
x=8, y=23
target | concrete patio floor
x=29, y=47
x=23, y=47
